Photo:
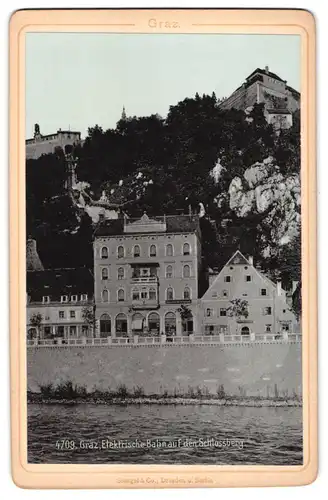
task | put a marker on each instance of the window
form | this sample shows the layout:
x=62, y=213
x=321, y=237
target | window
x=136, y=251
x=223, y=329
x=263, y=291
x=227, y=279
x=72, y=330
x=223, y=311
x=61, y=314
x=135, y=294
x=268, y=328
x=104, y=273
x=225, y=293
x=144, y=294
x=187, y=293
x=64, y=298
x=152, y=251
x=120, y=295
x=169, y=250
x=72, y=314
x=169, y=294
x=169, y=272
x=104, y=253
x=120, y=252
x=120, y=273
x=186, y=249
x=74, y=298
x=45, y=299
x=84, y=297
x=214, y=295
x=186, y=271
x=105, y=296
x=248, y=277
x=209, y=312
x=152, y=294
x=267, y=311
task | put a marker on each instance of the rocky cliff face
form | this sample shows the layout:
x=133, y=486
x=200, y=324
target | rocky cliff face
x=264, y=190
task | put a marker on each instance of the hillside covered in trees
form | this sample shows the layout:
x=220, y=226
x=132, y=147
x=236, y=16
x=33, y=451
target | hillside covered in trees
x=246, y=176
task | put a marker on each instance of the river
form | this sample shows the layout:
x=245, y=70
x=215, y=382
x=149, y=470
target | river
x=158, y=434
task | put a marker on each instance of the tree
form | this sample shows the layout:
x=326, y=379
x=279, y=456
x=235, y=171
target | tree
x=88, y=317
x=238, y=308
x=36, y=322
x=186, y=315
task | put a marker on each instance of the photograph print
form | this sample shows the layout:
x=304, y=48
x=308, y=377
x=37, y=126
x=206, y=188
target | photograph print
x=163, y=249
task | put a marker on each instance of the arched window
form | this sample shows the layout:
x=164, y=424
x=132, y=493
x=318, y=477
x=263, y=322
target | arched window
x=186, y=271
x=152, y=294
x=105, y=296
x=187, y=293
x=152, y=251
x=104, y=253
x=169, y=272
x=104, y=273
x=170, y=324
x=136, y=251
x=120, y=252
x=245, y=330
x=153, y=323
x=121, y=325
x=105, y=325
x=120, y=273
x=169, y=250
x=120, y=295
x=169, y=294
x=186, y=249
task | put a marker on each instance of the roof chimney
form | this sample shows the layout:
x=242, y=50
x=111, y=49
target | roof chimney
x=278, y=288
x=250, y=260
x=266, y=69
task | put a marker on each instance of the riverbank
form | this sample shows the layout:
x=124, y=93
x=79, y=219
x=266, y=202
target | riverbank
x=67, y=393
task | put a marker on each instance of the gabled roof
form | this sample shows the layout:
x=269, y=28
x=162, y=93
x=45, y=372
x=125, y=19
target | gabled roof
x=237, y=258
x=57, y=282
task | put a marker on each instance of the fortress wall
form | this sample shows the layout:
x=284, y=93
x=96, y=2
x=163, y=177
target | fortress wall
x=253, y=369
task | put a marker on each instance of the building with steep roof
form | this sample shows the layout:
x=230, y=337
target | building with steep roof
x=241, y=300
x=262, y=86
x=58, y=297
x=146, y=275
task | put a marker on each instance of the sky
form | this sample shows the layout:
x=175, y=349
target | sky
x=77, y=80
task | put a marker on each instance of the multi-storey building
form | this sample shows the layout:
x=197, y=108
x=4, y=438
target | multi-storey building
x=241, y=300
x=146, y=275
x=45, y=144
x=263, y=86
x=60, y=303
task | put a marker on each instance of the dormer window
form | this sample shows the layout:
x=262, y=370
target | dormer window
x=64, y=298
x=74, y=298
x=45, y=299
x=84, y=297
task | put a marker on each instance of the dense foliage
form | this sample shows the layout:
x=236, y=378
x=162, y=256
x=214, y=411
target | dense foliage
x=178, y=154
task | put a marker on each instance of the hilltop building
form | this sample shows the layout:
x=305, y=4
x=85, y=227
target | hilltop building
x=241, y=300
x=58, y=297
x=45, y=144
x=263, y=86
x=146, y=275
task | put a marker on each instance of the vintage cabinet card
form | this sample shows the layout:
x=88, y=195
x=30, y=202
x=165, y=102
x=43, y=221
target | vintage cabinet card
x=163, y=248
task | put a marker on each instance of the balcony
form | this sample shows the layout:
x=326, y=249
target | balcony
x=144, y=279
x=145, y=304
